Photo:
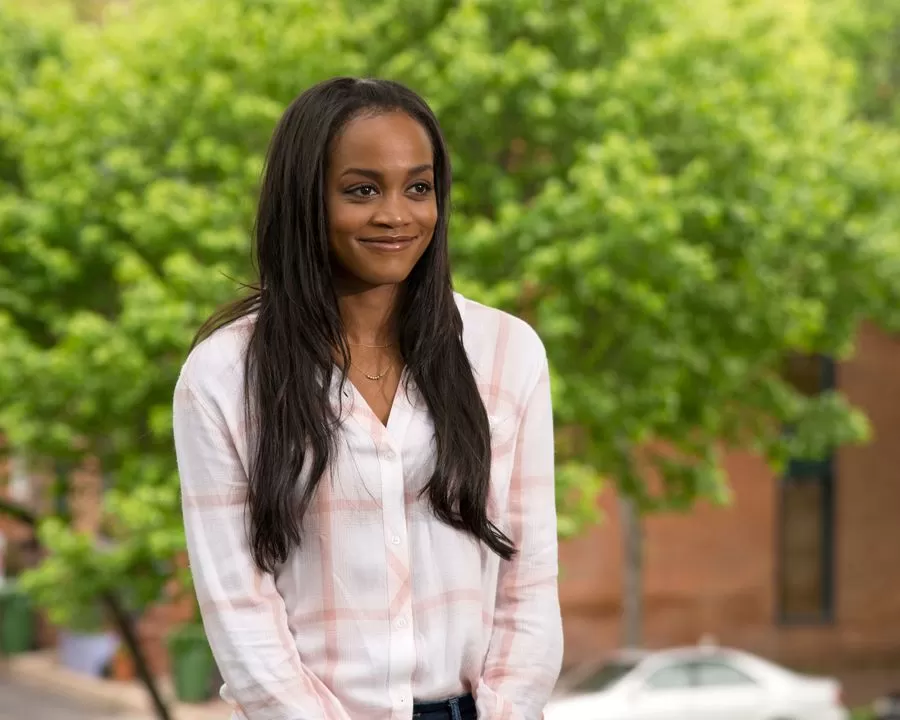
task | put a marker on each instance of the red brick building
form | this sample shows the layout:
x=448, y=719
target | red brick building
x=805, y=568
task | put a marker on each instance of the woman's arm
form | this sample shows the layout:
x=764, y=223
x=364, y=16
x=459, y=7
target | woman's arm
x=243, y=613
x=525, y=652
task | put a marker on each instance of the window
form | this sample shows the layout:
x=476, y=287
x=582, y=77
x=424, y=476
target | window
x=673, y=677
x=806, y=547
x=606, y=677
x=60, y=490
x=809, y=374
x=716, y=674
x=806, y=542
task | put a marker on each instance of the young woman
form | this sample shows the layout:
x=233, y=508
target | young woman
x=366, y=457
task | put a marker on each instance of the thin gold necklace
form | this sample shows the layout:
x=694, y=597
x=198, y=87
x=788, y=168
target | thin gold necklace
x=374, y=377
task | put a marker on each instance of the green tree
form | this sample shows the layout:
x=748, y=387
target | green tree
x=677, y=195
x=136, y=155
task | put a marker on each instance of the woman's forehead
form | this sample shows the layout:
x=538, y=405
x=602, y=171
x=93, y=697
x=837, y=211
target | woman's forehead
x=386, y=142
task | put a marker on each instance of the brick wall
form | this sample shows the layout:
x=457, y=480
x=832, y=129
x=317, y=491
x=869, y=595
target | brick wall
x=710, y=571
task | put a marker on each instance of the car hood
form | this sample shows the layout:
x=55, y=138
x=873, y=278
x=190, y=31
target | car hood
x=595, y=705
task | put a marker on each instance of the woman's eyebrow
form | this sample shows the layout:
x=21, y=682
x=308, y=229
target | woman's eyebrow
x=378, y=175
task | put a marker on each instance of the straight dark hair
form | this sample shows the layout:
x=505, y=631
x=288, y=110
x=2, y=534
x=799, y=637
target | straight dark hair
x=289, y=364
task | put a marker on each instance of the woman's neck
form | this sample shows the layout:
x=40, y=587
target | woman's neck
x=368, y=315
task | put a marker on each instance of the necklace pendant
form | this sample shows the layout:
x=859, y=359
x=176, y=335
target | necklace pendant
x=373, y=378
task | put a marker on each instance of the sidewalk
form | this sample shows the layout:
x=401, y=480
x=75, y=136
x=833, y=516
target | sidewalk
x=24, y=701
x=121, y=700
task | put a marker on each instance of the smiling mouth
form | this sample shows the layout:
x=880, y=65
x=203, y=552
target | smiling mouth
x=387, y=242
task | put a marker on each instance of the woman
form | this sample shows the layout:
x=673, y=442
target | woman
x=366, y=457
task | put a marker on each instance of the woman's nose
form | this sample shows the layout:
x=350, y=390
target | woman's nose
x=392, y=212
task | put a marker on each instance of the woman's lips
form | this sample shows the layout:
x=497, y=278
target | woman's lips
x=387, y=243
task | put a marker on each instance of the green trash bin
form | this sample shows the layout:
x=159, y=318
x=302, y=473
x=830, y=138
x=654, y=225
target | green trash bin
x=16, y=621
x=192, y=664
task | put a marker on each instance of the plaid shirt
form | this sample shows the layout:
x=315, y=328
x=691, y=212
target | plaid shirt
x=382, y=604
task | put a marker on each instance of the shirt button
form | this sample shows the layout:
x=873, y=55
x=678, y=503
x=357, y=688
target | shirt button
x=395, y=539
x=401, y=623
x=390, y=454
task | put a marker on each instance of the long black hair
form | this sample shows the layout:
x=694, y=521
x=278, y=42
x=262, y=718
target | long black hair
x=297, y=329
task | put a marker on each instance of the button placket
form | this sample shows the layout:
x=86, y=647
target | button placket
x=393, y=471
x=400, y=623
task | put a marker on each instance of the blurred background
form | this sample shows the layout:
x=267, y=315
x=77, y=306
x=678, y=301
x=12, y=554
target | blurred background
x=695, y=203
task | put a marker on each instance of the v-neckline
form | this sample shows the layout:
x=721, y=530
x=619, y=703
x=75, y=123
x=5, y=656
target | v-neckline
x=358, y=397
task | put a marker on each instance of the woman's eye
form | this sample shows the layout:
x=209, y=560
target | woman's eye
x=421, y=188
x=363, y=191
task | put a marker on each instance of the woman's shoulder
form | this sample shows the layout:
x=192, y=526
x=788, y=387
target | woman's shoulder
x=217, y=362
x=498, y=338
x=490, y=324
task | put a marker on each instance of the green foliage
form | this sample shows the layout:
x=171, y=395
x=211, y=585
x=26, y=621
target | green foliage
x=70, y=579
x=137, y=157
x=677, y=195
x=867, y=32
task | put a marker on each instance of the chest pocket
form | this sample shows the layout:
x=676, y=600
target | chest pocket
x=503, y=434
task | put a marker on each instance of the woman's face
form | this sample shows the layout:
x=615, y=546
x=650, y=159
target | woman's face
x=380, y=198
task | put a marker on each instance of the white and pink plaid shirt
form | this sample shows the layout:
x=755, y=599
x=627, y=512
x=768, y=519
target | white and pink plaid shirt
x=382, y=604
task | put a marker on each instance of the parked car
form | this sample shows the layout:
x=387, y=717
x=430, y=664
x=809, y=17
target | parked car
x=887, y=707
x=694, y=683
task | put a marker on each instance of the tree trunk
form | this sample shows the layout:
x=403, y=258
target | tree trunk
x=129, y=634
x=632, y=574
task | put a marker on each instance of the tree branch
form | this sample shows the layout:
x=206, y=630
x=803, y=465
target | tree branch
x=17, y=512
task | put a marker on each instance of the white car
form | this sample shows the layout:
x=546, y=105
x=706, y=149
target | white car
x=694, y=683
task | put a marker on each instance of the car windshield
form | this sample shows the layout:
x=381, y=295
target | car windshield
x=604, y=678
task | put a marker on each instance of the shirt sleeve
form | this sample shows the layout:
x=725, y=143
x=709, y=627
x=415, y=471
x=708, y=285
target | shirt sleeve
x=525, y=652
x=243, y=613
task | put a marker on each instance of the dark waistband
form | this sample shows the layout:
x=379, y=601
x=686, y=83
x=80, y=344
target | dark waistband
x=465, y=704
